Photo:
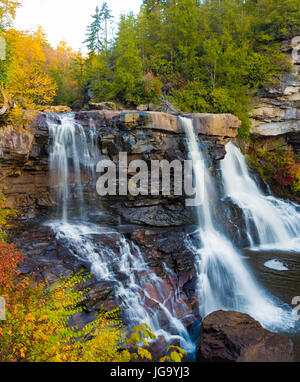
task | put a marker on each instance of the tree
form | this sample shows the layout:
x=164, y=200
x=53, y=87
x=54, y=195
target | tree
x=97, y=34
x=68, y=70
x=128, y=65
x=8, y=11
x=27, y=77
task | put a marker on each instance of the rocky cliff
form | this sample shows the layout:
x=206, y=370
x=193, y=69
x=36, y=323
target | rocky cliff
x=24, y=164
x=276, y=117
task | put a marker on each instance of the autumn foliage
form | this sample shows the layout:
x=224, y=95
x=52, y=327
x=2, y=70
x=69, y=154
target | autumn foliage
x=279, y=167
x=9, y=260
x=37, y=328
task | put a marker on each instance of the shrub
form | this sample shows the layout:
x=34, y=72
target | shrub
x=5, y=215
x=280, y=167
x=37, y=327
x=10, y=258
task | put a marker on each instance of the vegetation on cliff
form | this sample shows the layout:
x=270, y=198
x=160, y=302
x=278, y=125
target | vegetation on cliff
x=280, y=168
x=207, y=56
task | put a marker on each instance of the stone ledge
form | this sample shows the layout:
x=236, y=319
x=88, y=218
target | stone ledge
x=275, y=129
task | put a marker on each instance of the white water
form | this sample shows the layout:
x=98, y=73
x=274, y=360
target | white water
x=71, y=150
x=224, y=280
x=145, y=297
x=276, y=265
x=274, y=222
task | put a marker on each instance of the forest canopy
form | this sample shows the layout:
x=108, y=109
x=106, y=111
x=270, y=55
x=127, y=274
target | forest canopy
x=203, y=56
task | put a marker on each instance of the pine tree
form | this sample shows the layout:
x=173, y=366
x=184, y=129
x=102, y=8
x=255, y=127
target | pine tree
x=97, y=33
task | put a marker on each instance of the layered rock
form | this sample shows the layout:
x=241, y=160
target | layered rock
x=157, y=224
x=276, y=117
x=236, y=337
x=24, y=166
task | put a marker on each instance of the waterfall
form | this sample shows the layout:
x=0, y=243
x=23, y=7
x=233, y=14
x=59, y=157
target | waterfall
x=71, y=150
x=224, y=280
x=271, y=223
x=143, y=295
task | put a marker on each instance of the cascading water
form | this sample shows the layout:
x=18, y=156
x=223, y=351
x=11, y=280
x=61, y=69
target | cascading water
x=145, y=297
x=71, y=150
x=224, y=280
x=271, y=223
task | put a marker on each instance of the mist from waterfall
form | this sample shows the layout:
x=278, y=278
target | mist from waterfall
x=271, y=223
x=225, y=282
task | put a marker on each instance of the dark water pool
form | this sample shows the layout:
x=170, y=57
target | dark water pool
x=283, y=284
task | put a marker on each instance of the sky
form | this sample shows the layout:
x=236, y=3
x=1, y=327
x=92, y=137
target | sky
x=67, y=19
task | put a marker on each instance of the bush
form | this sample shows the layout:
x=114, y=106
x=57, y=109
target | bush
x=10, y=258
x=279, y=167
x=37, y=327
x=5, y=215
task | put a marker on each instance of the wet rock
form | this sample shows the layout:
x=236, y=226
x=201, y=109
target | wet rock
x=166, y=249
x=233, y=336
x=79, y=320
x=158, y=348
x=98, y=294
x=159, y=216
x=145, y=135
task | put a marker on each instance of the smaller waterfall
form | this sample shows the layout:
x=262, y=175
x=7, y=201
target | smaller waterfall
x=271, y=223
x=72, y=149
x=224, y=280
x=144, y=296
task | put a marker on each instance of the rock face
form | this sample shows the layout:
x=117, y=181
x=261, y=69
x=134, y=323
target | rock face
x=233, y=336
x=156, y=224
x=277, y=113
x=24, y=167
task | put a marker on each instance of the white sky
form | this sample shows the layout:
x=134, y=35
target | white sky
x=67, y=19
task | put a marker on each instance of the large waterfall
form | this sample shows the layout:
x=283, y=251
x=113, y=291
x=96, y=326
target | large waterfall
x=144, y=296
x=224, y=280
x=271, y=223
x=71, y=151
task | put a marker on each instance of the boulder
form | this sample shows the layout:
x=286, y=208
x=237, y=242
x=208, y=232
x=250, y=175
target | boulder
x=57, y=109
x=101, y=295
x=233, y=336
x=224, y=125
x=102, y=106
x=143, y=107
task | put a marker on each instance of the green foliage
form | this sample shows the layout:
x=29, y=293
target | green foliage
x=5, y=215
x=138, y=343
x=139, y=337
x=175, y=354
x=207, y=56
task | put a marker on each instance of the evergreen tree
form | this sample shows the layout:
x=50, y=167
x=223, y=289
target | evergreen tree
x=97, y=33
